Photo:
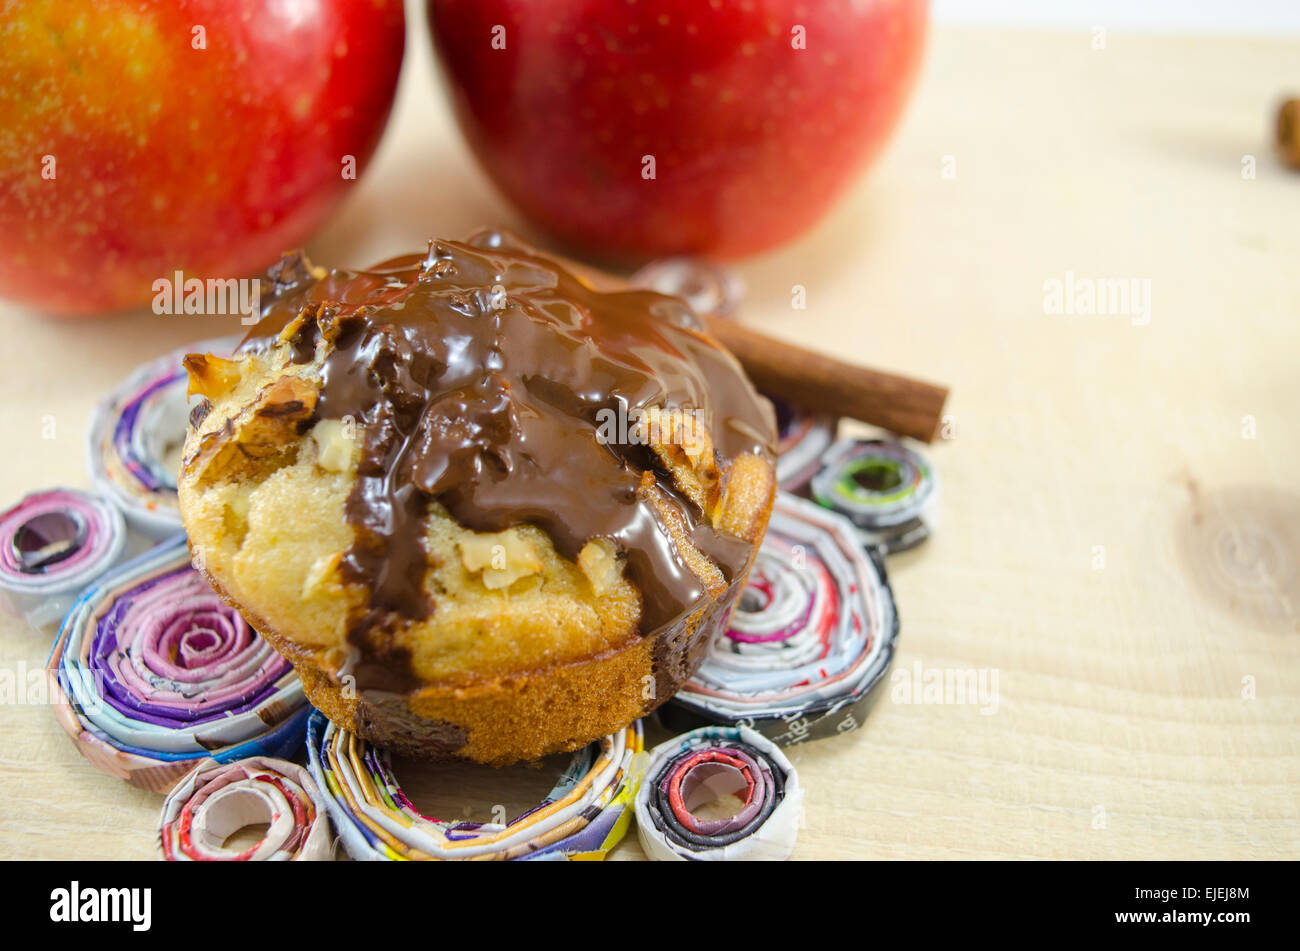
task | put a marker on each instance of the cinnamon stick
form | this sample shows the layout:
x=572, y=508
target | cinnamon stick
x=817, y=382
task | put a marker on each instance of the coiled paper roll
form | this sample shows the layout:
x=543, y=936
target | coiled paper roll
x=887, y=490
x=136, y=436
x=812, y=635
x=691, y=770
x=713, y=290
x=583, y=817
x=709, y=288
x=154, y=673
x=215, y=800
x=52, y=545
x=803, y=438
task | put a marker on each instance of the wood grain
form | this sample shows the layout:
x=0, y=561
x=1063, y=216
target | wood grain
x=1118, y=536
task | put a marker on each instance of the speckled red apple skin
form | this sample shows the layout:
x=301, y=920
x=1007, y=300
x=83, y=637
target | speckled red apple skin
x=166, y=156
x=753, y=139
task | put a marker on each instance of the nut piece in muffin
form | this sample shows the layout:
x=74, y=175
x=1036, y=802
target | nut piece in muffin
x=487, y=510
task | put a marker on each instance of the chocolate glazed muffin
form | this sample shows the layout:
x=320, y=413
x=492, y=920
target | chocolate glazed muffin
x=486, y=510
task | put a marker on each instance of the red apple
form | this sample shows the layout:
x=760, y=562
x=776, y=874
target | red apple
x=751, y=115
x=138, y=137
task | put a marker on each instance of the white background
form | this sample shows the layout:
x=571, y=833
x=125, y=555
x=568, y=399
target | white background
x=1277, y=17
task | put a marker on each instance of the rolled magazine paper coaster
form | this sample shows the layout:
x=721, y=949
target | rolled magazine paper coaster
x=803, y=438
x=215, y=800
x=715, y=291
x=694, y=769
x=887, y=490
x=52, y=545
x=153, y=673
x=709, y=288
x=136, y=436
x=583, y=817
x=810, y=639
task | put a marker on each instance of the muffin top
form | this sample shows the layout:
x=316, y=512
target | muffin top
x=485, y=383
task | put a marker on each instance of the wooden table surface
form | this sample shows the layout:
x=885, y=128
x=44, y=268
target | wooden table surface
x=1120, y=528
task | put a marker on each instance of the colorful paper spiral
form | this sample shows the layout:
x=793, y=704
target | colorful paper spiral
x=583, y=817
x=697, y=768
x=136, y=436
x=155, y=673
x=802, y=439
x=812, y=635
x=52, y=545
x=215, y=800
x=887, y=490
x=711, y=289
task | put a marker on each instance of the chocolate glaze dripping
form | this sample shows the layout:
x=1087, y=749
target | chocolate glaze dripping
x=476, y=373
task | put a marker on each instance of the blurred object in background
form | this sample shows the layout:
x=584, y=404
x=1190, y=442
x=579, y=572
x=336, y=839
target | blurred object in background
x=1255, y=17
x=643, y=130
x=138, y=137
x=1288, y=132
